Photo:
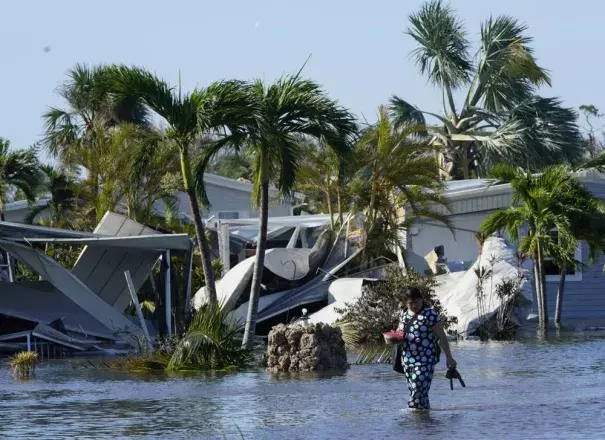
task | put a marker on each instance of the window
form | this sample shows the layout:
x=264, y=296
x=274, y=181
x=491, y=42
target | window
x=228, y=215
x=553, y=272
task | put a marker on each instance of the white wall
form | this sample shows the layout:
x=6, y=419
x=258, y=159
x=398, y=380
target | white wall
x=430, y=233
x=227, y=200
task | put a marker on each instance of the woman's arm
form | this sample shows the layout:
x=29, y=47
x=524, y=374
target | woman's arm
x=445, y=345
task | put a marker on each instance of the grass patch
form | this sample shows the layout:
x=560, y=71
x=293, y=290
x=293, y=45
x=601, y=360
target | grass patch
x=23, y=364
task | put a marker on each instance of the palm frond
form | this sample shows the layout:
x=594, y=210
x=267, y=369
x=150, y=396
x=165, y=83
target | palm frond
x=442, y=51
x=508, y=72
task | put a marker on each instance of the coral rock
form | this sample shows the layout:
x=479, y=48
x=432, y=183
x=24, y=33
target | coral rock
x=317, y=347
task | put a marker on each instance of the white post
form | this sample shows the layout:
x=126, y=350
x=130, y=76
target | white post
x=224, y=246
x=29, y=342
x=294, y=238
x=168, y=302
x=11, y=269
x=137, y=306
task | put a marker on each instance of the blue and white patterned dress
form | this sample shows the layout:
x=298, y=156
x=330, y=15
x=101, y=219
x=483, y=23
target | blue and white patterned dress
x=420, y=354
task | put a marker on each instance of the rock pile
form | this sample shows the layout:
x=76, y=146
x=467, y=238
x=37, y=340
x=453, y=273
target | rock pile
x=317, y=347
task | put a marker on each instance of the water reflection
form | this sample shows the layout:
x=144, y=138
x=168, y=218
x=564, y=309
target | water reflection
x=509, y=386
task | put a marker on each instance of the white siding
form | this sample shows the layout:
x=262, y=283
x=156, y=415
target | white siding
x=427, y=234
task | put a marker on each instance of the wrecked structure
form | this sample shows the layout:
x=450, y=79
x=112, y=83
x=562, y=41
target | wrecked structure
x=82, y=309
x=457, y=287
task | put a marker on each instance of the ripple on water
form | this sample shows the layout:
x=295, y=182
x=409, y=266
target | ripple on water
x=512, y=388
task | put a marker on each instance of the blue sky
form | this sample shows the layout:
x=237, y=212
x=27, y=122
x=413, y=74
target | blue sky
x=359, y=51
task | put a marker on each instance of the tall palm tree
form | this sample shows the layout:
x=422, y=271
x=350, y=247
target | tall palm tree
x=189, y=115
x=501, y=119
x=284, y=112
x=18, y=171
x=397, y=172
x=541, y=203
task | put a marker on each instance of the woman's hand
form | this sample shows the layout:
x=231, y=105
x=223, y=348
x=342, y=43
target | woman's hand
x=450, y=362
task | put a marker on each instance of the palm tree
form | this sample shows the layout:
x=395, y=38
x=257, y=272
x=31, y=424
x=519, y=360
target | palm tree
x=397, y=171
x=501, y=119
x=585, y=215
x=552, y=200
x=220, y=106
x=61, y=190
x=284, y=112
x=77, y=134
x=322, y=174
x=18, y=170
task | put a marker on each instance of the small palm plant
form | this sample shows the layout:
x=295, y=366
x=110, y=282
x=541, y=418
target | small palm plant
x=212, y=342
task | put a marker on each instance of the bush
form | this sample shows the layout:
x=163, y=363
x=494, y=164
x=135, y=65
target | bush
x=378, y=308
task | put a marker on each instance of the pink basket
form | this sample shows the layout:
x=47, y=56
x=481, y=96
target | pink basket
x=393, y=337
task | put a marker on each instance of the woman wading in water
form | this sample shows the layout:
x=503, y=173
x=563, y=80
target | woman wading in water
x=423, y=334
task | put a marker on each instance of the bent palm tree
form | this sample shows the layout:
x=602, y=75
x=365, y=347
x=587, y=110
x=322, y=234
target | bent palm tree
x=188, y=116
x=284, y=112
x=501, y=120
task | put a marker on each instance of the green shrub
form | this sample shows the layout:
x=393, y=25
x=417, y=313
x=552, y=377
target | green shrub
x=378, y=308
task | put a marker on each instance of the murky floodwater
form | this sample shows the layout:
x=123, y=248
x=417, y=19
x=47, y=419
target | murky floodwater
x=514, y=390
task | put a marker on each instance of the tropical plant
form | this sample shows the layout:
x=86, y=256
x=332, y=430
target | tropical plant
x=501, y=119
x=18, y=171
x=397, y=173
x=322, y=176
x=60, y=188
x=552, y=200
x=231, y=165
x=210, y=343
x=77, y=133
x=378, y=308
x=189, y=115
x=284, y=112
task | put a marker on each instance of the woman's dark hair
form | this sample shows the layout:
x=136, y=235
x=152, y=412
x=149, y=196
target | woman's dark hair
x=411, y=293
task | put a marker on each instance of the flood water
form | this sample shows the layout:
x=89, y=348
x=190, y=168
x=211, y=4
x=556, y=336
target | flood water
x=514, y=390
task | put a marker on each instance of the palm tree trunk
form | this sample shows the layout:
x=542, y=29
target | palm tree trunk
x=465, y=171
x=543, y=293
x=199, y=228
x=339, y=202
x=330, y=208
x=538, y=289
x=559, y=306
x=259, y=265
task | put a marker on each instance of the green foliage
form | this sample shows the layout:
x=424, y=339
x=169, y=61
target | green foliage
x=210, y=343
x=501, y=118
x=18, y=171
x=378, y=308
x=396, y=171
x=350, y=334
